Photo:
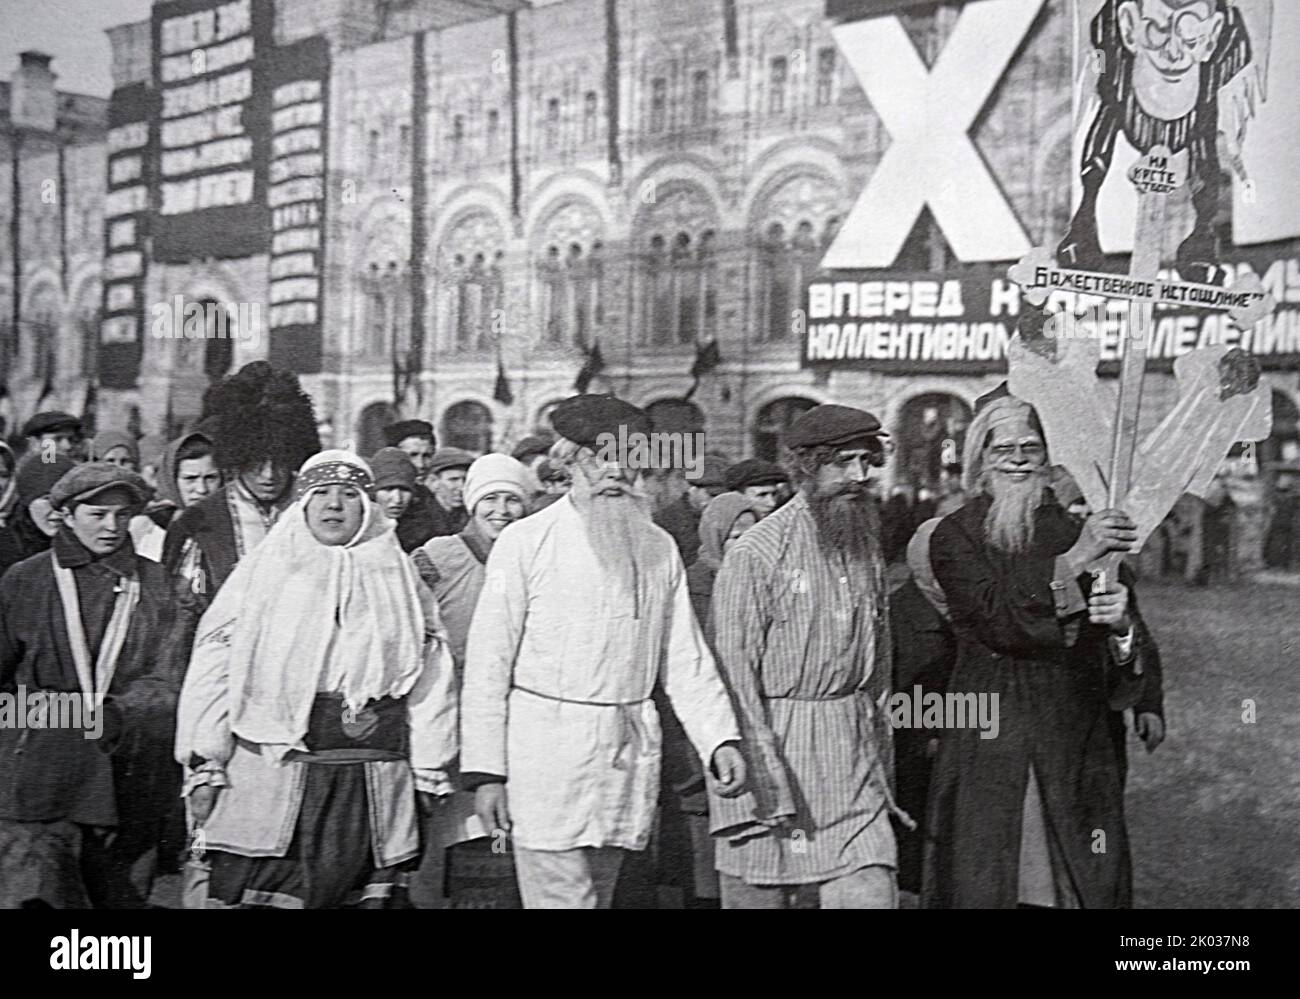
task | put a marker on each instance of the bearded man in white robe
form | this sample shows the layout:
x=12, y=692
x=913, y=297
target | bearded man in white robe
x=584, y=608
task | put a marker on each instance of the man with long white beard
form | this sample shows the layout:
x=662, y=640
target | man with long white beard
x=584, y=607
x=801, y=613
x=1035, y=816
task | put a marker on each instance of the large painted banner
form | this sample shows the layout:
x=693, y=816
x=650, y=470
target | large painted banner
x=126, y=219
x=211, y=128
x=961, y=322
x=1217, y=84
x=299, y=83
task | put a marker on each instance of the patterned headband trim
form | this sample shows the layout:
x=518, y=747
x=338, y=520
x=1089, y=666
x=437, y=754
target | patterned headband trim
x=329, y=474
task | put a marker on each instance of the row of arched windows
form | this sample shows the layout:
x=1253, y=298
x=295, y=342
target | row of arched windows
x=676, y=292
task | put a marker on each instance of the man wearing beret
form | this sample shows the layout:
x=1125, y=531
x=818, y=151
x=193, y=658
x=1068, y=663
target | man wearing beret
x=681, y=518
x=585, y=608
x=447, y=473
x=801, y=616
x=86, y=625
x=54, y=433
x=758, y=481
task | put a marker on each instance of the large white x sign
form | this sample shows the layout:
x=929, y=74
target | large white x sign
x=931, y=158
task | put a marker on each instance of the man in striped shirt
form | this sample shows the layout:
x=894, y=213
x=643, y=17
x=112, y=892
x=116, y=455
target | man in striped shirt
x=803, y=641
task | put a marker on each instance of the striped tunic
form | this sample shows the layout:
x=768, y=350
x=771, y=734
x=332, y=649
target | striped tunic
x=802, y=639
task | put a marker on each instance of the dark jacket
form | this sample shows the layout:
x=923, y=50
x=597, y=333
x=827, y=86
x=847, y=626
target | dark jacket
x=49, y=774
x=682, y=521
x=21, y=539
x=1054, y=710
x=426, y=518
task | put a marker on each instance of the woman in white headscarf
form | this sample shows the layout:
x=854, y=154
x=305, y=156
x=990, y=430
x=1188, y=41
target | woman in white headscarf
x=319, y=701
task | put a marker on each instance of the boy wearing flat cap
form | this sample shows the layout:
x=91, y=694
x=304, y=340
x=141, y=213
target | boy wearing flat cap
x=88, y=626
x=54, y=433
x=447, y=474
x=810, y=578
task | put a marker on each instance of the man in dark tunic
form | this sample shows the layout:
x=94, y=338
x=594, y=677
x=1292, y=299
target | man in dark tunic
x=1034, y=816
x=681, y=518
x=87, y=624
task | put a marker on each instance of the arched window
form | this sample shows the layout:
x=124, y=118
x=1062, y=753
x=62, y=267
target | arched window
x=929, y=437
x=570, y=273
x=387, y=304
x=795, y=224
x=478, y=296
x=467, y=425
x=218, y=347
x=773, y=421
x=787, y=260
x=589, y=105
x=370, y=427
x=471, y=291
x=680, y=288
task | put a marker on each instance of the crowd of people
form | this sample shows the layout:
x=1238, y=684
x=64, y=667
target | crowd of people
x=550, y=679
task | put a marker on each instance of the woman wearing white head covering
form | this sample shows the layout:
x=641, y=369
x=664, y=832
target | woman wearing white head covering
x=497, y=490
x=319, y=699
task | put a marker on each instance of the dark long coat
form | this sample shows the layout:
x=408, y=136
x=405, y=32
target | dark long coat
x=1054, y=692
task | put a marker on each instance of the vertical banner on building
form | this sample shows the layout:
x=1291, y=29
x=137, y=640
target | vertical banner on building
x=298, y=80
x=126, y=217
x=211, y=128
x=1216, y=83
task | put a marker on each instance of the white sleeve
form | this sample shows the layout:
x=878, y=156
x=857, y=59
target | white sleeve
x=433, y=708
x=690, y=676
x=203, y=712
x=494, y=636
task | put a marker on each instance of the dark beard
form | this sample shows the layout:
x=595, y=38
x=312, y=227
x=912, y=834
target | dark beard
x=847, y=522
x=1009, y=524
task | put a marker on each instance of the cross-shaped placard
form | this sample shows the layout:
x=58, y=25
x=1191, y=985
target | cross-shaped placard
x=1220, y=387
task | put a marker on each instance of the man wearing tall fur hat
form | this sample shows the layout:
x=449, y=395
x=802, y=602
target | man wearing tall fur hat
x=1016, y=820
x=263, y=428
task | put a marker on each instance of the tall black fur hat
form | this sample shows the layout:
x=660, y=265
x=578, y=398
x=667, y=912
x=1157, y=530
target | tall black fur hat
x=259, y=413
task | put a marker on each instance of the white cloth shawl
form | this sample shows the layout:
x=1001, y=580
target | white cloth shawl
x=302, y=617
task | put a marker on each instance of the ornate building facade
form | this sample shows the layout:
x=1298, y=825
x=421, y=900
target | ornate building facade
x=510, y=192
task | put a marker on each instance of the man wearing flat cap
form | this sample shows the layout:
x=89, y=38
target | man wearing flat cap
x=585, y=608
x=1014, y=820
x=681, y=518
x=802, y=628
x=446, y=480
x=415, y=438
x=758, y=481
x=87, y=630
x=53, y=433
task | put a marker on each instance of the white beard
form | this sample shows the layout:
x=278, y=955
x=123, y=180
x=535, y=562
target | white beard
x=1009, y=524
x=620, y=532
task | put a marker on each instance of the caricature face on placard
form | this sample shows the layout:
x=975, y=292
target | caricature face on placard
x=1170, y=41
x=1191, y=76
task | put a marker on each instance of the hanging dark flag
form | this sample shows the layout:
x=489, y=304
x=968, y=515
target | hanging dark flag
x=502, y=393
x=88, y=408
x=707, y=357
x=591, y=367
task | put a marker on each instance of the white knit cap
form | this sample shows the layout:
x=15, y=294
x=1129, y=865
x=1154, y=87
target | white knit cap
x=497, y=473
